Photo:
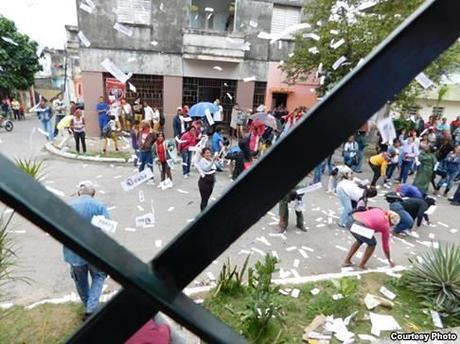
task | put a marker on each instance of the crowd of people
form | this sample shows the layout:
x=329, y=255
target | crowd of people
x=430, y=153
x=11, y=108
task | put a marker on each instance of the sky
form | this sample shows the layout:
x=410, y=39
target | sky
x=41, y=20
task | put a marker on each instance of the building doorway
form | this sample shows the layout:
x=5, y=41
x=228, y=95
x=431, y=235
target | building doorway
x=279, y=99
x=207, y=90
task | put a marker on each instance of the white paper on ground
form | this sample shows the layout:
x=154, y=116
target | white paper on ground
x=291, y=248
x=110, y=67
x=303, y=253
x=313, y=36
x=315, y=291
x=83, y=39
x=210, y=276
x=182, y=191
x=361, y=230
x=136, y=180
x=337, y=296
x=154, y=43
x=381, y=322
x=129, y=229
x=296, y=263
x=295, y=293
x=275, y=254
x=371, y=302
x=266, y=35
x=337, y=44
x=314, y=50
x=388, y=293
x=341, y=248
x=334, y=32
x=158, y=243
x=367, y=337
x=104, y=224
x=145, y=220
x=309, y=249
x=91, y=4
x=123, y=29
x=387, y=129
x=264, y=240
x=436, y=319
x=141, y=196
x=367, y=4
x=424, y=81
x=339, y=62
x=284, y=274
x=253, y=23
x=255, y=249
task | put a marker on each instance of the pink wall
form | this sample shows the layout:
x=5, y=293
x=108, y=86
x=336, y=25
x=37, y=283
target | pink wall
x=93, y=88
x=245, y=94
x=172, y=98
x=299, y=94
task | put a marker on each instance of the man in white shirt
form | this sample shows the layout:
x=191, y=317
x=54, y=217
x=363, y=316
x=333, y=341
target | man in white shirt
x=218, y=114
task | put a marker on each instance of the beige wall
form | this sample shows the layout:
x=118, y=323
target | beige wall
x=172, y=98
x=93, y=88
x=451, y=108
x=245, y=94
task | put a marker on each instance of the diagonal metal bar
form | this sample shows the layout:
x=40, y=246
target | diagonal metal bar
x=418, y=41
x=146, y=290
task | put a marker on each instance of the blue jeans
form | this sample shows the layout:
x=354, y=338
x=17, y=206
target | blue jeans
x=318, y=171
x=345, y=201
x=89, y=294
x=145, y=158
x=390, y=170
x=102, y=122
x=406, y=221
x=405, y=170
x=448, y=179
x=186, y=162
x=48, y=128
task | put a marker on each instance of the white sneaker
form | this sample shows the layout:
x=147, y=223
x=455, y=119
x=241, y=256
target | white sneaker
x=185, y=176
x=160, y=185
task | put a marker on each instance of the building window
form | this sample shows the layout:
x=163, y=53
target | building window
x=148, y=88
x=260, y=88
x=438, y=111
x=207, y=90
x=283, y=17
x=413, y=110
x=134, y=12
x=220, y=16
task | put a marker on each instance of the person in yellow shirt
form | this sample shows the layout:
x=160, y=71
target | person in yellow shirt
x=379, y=164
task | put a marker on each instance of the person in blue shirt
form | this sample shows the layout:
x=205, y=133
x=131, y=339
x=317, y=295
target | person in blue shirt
x=102, y=109
x=80, y=269
x=45, y=115
x=411, y=191
x=217, y=140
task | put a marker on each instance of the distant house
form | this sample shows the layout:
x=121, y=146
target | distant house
x=448, y=106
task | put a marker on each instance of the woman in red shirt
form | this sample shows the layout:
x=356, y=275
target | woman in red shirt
x=162, y=153
x=187, y=140
x=377, y=220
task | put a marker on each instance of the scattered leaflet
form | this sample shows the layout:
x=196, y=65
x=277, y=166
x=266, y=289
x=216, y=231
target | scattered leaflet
x=86, y=8
x=123, y=29
x=337, y=44
x=382, y=322
x=115, y=71
x=83, y=39
x=132, y=88
x=424, y=81
x=387, y=293
x=253, y=24
x=9, y=40
x=387, y=129
x=436, y=319
x=104, y=224
x=136, y=180
x=339, y=62
x=312, y=36
x=145, y=221
x=367, y=4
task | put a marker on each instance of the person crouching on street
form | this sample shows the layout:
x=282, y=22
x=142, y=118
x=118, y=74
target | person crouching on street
x=298, y=207
x=377, y=220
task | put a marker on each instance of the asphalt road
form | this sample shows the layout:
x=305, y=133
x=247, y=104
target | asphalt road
x=320, y=250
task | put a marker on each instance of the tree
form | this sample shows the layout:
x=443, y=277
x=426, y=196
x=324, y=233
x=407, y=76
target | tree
x=18, y=58
x=361, y=30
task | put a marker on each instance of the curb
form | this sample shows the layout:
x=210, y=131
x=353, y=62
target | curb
x=53, y=150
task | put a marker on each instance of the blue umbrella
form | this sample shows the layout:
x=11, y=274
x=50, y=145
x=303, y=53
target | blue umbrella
x=199, y=109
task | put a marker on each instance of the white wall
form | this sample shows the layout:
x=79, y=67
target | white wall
x=452, y=108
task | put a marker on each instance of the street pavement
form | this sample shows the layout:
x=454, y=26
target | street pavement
x=320, y=250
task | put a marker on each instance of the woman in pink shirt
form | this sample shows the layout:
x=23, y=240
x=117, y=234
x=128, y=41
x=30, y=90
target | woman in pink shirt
x=377, y=220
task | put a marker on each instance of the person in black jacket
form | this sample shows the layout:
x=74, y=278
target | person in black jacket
x=416, y=207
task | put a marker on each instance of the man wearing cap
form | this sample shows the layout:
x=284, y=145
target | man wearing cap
x=89, y=293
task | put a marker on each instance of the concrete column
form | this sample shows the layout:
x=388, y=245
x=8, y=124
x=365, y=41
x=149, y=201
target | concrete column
x=172, y=98
x=93, y=88
x=245, y=94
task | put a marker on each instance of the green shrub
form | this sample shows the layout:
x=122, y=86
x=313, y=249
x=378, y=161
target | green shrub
x=230, y=280
x=436, y=279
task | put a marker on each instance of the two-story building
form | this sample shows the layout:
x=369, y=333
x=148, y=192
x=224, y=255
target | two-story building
x=185, y=51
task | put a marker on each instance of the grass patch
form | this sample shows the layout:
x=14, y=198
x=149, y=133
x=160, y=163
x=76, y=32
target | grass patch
x=47, y=324
x=299, y=312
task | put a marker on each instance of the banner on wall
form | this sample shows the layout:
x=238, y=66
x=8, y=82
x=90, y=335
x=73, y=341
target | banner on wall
x=115, y=89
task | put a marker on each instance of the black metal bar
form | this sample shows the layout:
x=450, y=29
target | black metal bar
x=32, y=200
x=352, y=102
x=419, y=40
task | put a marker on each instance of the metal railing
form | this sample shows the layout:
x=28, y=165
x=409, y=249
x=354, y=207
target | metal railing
x=149, y=288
